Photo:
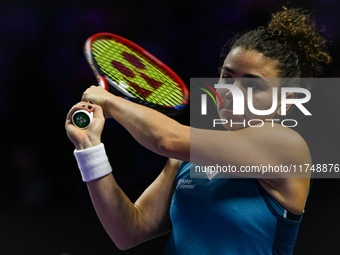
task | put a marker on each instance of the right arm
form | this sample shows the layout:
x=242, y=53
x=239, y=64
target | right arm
x=130, y=224
x=126, y=223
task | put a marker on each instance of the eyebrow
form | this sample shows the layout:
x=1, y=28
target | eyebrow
x=228, y=69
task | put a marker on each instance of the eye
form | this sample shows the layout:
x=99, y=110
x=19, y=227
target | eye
x=227, y=79
x=251, y=84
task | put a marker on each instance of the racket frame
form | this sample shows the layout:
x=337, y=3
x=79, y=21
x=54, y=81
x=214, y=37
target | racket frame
x=118, y=90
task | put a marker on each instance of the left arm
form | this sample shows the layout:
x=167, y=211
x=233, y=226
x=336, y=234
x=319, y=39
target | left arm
x=152, y=129
x=268, y=145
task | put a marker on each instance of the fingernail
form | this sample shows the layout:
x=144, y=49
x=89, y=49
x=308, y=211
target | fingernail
x=83, y=105
x=89, y=107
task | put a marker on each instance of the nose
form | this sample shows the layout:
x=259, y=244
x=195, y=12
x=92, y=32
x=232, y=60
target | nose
x=228, y=94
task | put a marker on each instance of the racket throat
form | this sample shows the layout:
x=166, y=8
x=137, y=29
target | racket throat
x=121, y=86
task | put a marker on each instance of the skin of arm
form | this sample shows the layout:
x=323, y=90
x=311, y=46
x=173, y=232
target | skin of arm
x=271, y=144
x=275, y=145
x=130, y=224
x=126, y=223
x=152, y=129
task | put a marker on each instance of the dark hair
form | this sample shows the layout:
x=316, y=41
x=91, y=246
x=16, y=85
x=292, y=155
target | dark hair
x=292, y=39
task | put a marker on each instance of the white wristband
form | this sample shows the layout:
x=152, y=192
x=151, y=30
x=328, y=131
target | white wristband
x=93, y=162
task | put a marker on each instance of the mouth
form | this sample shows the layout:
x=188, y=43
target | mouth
x=227, y=104
x=228, y=109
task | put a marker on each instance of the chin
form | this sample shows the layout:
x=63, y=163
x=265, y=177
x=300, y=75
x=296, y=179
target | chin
x=233, y=128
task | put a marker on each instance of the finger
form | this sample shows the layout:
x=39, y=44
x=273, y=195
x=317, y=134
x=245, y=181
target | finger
x=76, y=107
x=97, y=110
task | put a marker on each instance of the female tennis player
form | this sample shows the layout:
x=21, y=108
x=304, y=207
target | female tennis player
x=257, y=214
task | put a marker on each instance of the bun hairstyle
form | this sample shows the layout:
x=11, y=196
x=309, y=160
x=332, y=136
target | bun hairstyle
x=293, y=40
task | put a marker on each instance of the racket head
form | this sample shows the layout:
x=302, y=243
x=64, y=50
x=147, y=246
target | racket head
x=127, y=70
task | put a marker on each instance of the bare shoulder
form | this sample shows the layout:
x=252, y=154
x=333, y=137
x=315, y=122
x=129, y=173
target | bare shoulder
x=293, y=144
x=282, y=141
x=290, y=190
x=275, y=144
x=275, y=132
x=269, y=144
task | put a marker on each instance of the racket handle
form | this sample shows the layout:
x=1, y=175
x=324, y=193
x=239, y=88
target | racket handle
x=82, y=119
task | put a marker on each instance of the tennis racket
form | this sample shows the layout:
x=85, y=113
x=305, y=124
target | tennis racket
x=125, y=69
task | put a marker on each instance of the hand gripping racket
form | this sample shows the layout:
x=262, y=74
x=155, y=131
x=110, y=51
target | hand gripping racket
x=125, y=69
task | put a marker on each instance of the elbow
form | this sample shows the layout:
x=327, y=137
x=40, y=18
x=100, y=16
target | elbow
x=122, y=248
x=174, y=144
x=174, y=148
x=127, y=240
x=123, y=240
x=125, y=245
x=165, y=147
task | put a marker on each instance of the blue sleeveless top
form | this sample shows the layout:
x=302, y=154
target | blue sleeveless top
x=227, y=216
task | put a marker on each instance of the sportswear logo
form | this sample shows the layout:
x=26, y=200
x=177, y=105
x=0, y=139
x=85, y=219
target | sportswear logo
x=184, y=184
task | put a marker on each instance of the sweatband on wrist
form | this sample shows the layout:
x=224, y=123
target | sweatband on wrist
x=93, y=162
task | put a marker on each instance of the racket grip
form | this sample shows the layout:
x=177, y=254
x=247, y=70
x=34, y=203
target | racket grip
x=82, y=119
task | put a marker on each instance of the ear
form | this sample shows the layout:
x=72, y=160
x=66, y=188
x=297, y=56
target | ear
x=289, y=95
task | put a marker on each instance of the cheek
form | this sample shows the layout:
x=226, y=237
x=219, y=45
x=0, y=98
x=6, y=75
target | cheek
x=262, y=101
x=221, y=92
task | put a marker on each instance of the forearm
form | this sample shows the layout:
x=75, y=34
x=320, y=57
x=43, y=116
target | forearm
x=119, y=216
x=116, y=212
x=152, y=129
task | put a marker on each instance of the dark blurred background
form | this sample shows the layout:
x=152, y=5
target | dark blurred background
x=45, y=207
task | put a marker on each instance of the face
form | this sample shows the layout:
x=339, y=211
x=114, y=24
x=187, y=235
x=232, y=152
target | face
x=255, y=71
